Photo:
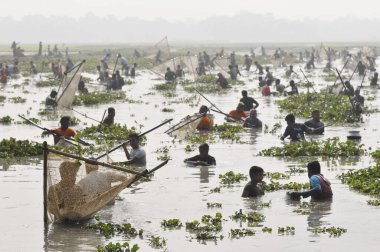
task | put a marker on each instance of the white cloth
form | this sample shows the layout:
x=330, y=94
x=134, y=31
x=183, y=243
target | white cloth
x=140, y=156
x=98, y=182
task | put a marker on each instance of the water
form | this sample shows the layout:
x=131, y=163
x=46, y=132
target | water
x=178, y=191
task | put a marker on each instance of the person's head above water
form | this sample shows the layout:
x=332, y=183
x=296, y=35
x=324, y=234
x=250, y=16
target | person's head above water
x=278, y=81
x=253, y=113
x=65, y=122
x=313, y=168
x=256, y=174
x=316, y=115
x=203, y=109
x=111, y=111
x=53, y=93
x=68, y=171
x=244, y=93
x=290, y=119
x=240, y=106
x=203, y=150
x=134, y=140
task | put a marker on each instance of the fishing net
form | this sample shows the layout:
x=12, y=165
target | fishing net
x=161, y=68
x=163, y=47
x=187, y=126
x=75, y=195
x=222, y=65
x=191, y=64
x=69, y=86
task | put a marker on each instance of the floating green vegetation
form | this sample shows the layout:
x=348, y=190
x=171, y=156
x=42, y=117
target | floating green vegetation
x=2, y=98
x=276, y=127
x=164, y=153
x=293, y=170
x=250, y=217
x=171, y=223
x=215, y=190
x=333, y=108
x=11, y=147
x=214, y=205
x=110, y=229
x=240, y=232
x=169, y=94
x=230, y=178
x=364, y=180
x=375, y=202
x=205, y=88
x=267, y=230
x=376, y=154
x=170, y=86
x=277, y=175
x=17, y=99
x=48, y=83
x=304, y=208
x=261, y=204
x=228, y=131
x=167, y=110
x=110, y=134
x=157, y=242
x=330, y=77
x=333, y=231
x=101, y=98
x=6, y=119
x=288, y=230
x=275, y=186
x=118, y=247
x=208, y=78
x=207, y=229
x=331, y=147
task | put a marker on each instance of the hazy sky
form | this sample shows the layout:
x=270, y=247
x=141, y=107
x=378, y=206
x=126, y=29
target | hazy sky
x=174, y=10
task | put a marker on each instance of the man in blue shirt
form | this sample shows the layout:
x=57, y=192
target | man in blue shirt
x=295, y=130
x=320, y=187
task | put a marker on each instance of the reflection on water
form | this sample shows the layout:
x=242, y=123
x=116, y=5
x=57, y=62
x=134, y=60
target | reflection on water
x=318, y=212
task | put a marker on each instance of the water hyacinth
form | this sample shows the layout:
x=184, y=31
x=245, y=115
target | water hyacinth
x=331, y=147
x=333, y=108
x=364, y=180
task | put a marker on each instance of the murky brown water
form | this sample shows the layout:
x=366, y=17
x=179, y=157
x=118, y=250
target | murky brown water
x=177, y=191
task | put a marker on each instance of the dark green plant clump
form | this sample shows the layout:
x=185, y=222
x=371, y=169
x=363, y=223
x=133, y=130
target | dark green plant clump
x=100, y=98
x=232, y=178
x=110, y=229
x=364, y=180
x=333, y=231
x=333, y=108
x=331, y=147
x=207, y=229
x=118, y=247
x=11, y=147
x=171, y=223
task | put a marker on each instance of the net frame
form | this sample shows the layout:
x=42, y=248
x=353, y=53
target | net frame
x=91, y=203
x=69, y=86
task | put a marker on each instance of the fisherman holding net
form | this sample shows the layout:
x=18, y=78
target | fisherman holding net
x=96, y=182
x=65, y=196
x=137, y=156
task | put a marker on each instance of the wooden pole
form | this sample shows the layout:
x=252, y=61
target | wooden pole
x=94, y=162
x=45, y=174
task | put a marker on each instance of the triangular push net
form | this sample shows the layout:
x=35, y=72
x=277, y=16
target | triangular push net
x=69, y=86
x=161, y=68
x=75, y=195
x=191, y=63
x=187, y=126
x=163, y=47
x=222, y=64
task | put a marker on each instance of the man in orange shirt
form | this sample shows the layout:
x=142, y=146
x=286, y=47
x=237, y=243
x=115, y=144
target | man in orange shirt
x=206, y=121
x=239, y=113
x=64, y=130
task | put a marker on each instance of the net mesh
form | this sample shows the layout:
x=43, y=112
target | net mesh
x=187, y=126
x=163, y=47
x=66, y=93
x=161, y=68
x=191, y=64
x=75, y=195
x=222, y=64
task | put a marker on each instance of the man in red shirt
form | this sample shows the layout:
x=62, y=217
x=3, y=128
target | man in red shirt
x=64, y=130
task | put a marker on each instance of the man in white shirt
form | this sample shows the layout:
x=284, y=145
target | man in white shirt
x=97, y=182
x=137, y=156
